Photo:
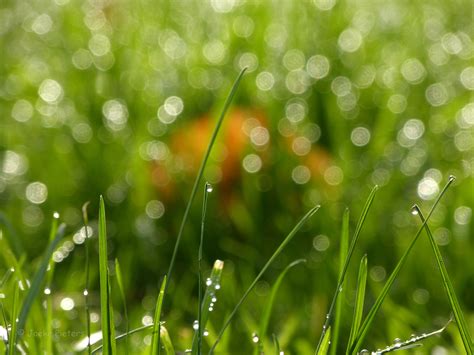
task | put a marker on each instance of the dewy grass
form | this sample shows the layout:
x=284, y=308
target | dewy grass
x=85, y=220
x=201, y=171
x=448, y=286
x=265, y=318
x=340, y=282
x=108, y=340
x=156, y=336
x=283, y=244
x=12, y=337
x=378, y=303
x=118, y=275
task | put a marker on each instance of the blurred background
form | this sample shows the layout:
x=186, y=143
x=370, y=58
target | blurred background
x=120, y=98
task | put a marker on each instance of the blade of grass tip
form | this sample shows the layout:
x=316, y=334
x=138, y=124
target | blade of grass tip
x=156, y=336
x=38, y=279
x=85, y=220
x=118, y=274
x=448, y=286
x=208, y=301
x=166, y=341
x=378, y=302
x=277, y=252
x=12, y=337
x=122, y=336
x=359, y=301
x=276, y=344
x=323, y=350
x=47, y=291
x=201, y=171
x=354, y=240
x=340, y=301
x=105, y=301
x=207, y=190
x=264, y=321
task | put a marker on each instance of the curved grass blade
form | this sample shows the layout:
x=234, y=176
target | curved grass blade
x=207, y=190
x=201, y=170
x=448, y=286
x=339, y=304
x=105, y=302
x=324, y=348
x=340, y=282
x=85, y=220
x=264, y=321
x=276, y=344
x=359, y=301
x=378, y=303
x=166, y=341
x=283, y=244
x=122, y=336
x=155, y=341
x=213, y=284
x=12, y=338
x=118, y=274
x=38, y=279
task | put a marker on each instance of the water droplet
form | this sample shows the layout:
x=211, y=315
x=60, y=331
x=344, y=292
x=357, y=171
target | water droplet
x=211, y=309
x=414, y=210
x=208, y=282
x=85, y=293
x=217, y=286
x=47, y=291
x=327, y=316
x=214, y=299
x=56, y=215
x=397, y=340
x=452, y=177
x=195, y=325
x=364, y=351
x=255, y=338
x=209, y=187
x=340, y=289
x=205, y=333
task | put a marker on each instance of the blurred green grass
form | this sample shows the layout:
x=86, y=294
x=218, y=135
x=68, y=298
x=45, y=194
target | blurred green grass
x=96, y=98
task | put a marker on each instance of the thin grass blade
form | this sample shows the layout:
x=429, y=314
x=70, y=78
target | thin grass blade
x=213, y=284
x=166, y=341
x=276, y=343
x=12, y=337
x=326, y=342
x=155, y=341
x=265, y=319
x=201, y=170
x=282, y=246
x=85, y=220
x=123, y=336
x=340, y=282
x=378, y=303
x=105, y=302
x=118, y=274
x=448, y=286
x=38, y=279
x=343, y=250
x=359, y=301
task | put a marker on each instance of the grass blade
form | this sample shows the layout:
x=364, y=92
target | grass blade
x=340, y=282
x=201, y=170
x=264, y=321
x=118, y=274
x=378, y=303
x=85, y=220
x=105, y=302
x=339, y=304
x=166, y=341
x=38, y=279
x=448, y=286
x=276, y=344
x=288, y=238
x=14, y=330
x=155, y=341
x=324, y=348
x=122, y=336
x=359, y=301
x=213, y=284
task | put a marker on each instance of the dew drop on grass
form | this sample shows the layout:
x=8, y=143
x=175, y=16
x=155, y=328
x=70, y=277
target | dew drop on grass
x=397, y=341
x=211, y=309
x=217, y=286
x=214, y=299
x=209, y=187
x=364, y=351
x=85, y=293
x=205, y=333
x=195, y=325
x=452, y=177
x=414, y=210
x=255, y=338
x=208, y=282
x=56, y=215
x=47, y=291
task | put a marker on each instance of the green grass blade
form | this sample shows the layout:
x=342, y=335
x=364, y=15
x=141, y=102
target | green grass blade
x=325, y=343
x=359, y=301
x=85, y=220
x=276, y=344
x=265, y=319
x=166, y=341
x=340, y=282
x=118, y=274
x=123, y=336
x=343, y=250
x=378, y=303
x=207, y=190
x=155, y=342
x=288, y=238
x=12, y=235
x=201, y=170
x=213, y=284
x=14, y=324
x=38, y=279
x=448, y=286
x=105, y=302
x=47, y=292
